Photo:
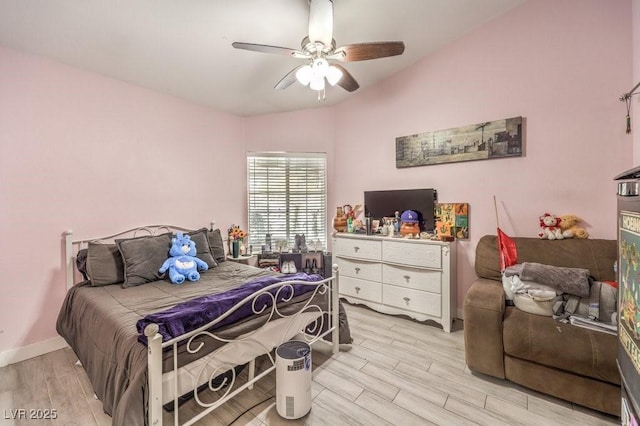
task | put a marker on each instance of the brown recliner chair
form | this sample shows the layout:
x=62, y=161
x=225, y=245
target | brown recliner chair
x=535, y=351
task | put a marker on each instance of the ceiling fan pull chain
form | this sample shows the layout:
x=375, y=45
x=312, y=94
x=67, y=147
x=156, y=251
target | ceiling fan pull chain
x=322, y=94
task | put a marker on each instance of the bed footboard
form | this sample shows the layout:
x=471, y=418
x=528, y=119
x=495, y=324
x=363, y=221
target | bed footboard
x=317, y=320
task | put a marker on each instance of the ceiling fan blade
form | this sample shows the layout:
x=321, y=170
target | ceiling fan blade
x=366, y=51
x=267, y=49
x=347, y=82
x=321, y=21
x=288, y=79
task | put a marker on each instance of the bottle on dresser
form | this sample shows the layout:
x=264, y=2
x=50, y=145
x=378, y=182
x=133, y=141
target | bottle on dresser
x=396, y=223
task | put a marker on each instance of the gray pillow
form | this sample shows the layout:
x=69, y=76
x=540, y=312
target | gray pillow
x=104, y=264
x=142, y=257
x=81, y=262
x=216, y=244
x=199, y=237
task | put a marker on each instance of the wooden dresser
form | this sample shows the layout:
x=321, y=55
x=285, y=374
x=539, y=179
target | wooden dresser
x=398, y=276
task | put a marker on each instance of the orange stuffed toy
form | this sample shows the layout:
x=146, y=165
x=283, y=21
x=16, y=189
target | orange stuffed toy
x=569, y=227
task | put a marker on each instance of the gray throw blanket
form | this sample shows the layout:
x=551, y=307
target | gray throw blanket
x=576, y=281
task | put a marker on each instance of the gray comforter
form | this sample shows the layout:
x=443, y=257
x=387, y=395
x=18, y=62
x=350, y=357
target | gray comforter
x=99, y=323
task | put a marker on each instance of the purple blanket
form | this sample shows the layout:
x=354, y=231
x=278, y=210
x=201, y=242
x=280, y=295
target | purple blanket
x=185, y=317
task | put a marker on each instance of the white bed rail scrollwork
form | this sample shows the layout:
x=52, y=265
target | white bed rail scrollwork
x=308, y=323
x=315, y=320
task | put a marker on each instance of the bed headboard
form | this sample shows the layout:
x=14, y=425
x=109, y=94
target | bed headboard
x=71, y=246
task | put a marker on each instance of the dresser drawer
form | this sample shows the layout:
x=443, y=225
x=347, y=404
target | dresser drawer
x=413, y=300
x=359, y=269
x=419, y=279
x=367, y=290
x=359, y=249
x=424, y=255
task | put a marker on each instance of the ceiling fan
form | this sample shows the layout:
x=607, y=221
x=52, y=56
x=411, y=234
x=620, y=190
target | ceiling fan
x=319, y=48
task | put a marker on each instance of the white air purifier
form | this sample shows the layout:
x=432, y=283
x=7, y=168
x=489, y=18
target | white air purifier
x=293, y=379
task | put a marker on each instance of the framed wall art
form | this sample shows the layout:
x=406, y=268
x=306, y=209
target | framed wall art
x=483, y=141
x=452, y=220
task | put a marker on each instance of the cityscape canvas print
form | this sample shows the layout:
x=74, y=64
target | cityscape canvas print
x=483, y=141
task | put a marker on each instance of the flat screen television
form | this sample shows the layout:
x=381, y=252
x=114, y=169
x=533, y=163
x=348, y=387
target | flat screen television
x=379, y=204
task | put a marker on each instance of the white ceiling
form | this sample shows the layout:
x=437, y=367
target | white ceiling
x=183, y=47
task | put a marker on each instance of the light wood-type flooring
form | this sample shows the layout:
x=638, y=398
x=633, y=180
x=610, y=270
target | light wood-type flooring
x=397, y=372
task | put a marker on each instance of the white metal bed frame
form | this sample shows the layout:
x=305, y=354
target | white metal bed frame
x=307, y=323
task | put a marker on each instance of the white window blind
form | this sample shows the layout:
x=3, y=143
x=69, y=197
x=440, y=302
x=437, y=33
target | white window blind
x=287, y=196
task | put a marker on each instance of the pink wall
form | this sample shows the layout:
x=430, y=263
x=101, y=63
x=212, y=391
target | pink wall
x=635, y=114
x=83, y=152
x=89, y=153
x=559, y=64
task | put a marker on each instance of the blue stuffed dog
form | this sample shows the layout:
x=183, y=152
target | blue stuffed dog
x=183, y=263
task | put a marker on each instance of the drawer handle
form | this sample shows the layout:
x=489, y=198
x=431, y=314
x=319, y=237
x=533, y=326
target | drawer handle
x=406, y=278
x=356, y=248
x=357, y=270
x=406, y=300
x=357, y=290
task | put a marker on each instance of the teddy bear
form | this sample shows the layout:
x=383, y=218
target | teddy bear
x=550, y=225
x=183, y=263
x=569, y=227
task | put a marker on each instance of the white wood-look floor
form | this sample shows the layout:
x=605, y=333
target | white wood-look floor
x=397, y=372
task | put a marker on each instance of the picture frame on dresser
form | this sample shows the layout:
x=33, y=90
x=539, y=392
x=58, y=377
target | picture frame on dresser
x=398, y=276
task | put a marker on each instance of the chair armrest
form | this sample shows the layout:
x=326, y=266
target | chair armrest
x=484, y=308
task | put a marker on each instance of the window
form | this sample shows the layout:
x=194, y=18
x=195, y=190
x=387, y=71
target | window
x=287, y=196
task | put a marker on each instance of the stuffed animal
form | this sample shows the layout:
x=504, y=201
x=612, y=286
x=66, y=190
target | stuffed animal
x=183, y=263
x=550, y=225
x=569, y=227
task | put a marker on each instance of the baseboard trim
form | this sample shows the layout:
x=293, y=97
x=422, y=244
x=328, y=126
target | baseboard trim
x=30, y=351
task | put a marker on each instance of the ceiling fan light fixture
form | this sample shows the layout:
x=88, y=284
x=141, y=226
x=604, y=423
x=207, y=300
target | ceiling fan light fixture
x=304, y=75
x=334, y=75
x=317, y=82
x=313, y=74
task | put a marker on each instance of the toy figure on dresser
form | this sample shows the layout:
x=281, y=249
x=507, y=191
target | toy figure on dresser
x=340, y=221
x=410, y=227
x=346, y=219
x=352, y=214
